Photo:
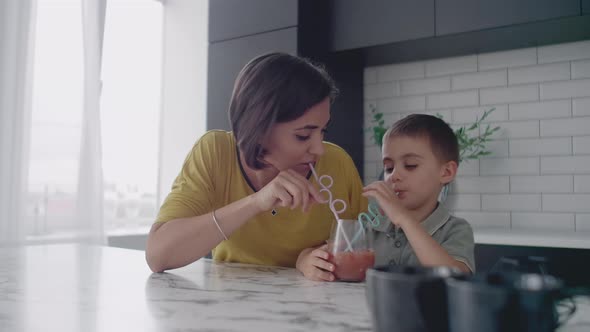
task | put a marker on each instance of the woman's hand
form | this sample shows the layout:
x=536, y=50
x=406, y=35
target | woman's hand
x=313, y=263
x=388, y=201
x=288, y=189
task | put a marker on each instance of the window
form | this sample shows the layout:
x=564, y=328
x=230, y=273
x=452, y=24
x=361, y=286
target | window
x=130, y=110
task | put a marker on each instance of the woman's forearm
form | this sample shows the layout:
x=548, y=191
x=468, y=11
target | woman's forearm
x=179, y=242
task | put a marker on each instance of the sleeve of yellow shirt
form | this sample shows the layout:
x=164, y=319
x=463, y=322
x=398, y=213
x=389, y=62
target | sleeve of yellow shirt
x=193, y=189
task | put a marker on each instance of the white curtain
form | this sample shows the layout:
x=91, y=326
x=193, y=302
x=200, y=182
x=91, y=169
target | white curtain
x=17, y=45
x=17, y=19
x=89, y=207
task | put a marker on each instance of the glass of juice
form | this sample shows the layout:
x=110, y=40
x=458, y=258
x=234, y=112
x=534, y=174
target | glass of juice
x=350, y=250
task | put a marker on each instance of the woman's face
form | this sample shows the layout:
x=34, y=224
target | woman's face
x=294, y=144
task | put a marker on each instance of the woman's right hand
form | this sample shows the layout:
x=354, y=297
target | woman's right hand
x=287, y=189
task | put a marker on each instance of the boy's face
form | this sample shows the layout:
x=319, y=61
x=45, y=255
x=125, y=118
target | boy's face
x=416, y=173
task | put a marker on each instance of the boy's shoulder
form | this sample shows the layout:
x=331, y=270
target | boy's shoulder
x=442, y=221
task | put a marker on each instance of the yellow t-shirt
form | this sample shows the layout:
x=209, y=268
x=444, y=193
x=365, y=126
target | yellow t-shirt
x=211, y=178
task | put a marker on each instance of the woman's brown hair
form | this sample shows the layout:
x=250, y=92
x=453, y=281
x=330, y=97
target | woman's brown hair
x=273, y=88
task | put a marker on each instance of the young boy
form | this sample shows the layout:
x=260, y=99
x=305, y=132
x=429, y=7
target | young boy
x=420, y=156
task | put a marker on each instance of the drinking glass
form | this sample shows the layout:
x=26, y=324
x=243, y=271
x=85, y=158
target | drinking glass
x=350, y=250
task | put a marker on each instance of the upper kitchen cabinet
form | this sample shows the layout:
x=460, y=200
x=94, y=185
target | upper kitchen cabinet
x=227, y=58
x=356, y=24
x=237, y=18
x=455, y=16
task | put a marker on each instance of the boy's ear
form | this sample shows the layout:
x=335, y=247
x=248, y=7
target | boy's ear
x=448, y=171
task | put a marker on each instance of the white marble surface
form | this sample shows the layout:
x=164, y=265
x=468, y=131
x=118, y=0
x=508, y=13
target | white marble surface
x=90, y=288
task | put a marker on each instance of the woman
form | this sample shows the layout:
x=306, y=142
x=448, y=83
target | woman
x=248, y=195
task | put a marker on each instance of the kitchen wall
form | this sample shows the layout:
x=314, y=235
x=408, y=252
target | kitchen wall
x=538, y=176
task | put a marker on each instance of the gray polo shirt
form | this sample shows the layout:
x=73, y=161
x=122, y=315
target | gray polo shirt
x=452, y=233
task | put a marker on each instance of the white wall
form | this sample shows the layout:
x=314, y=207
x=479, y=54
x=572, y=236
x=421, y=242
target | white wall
x=184, y=81
x=538, y=177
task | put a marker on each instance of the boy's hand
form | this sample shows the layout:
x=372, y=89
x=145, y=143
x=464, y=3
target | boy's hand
x=313, y=263
x=385, y=195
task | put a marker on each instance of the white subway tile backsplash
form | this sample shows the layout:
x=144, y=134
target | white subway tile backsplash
x=581, y=106
x=528, y=184
x=566, y=127
x=541, y=110
x=463, y=64
x=481, y=184
x=539, y=73
x=371, y=169
x=509, y=166
x=468, y=168
x=484, y=79
x=370, y=76
x=566, y=203
x=582, y=222
x=372, y=154
x=367, y=139
x=468, y=115
x=511, y=202
x=452, y=99
x=541, y=146
x=538, y=176
x=506, y=59
x=511, y=94
x=485, y=219
x=400, y=71
x=565, y=165
x=581, y=69
x=581, y=145
x=564, y=52
x=544, y=221
x=369, y=179
x=402, y=104
x=445, y=114
x=497, y=148
x=515, y=129
x=582, y=184
x=382, y=90
x=565, y=89
x=390, y=118
x=463, y=202
x=425, y=85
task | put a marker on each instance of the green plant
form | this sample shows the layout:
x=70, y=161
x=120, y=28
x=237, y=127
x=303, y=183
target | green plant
x=378, y=128
x=472, y=142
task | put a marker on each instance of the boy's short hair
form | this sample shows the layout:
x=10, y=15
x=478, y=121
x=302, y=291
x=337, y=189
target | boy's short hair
x=443, y=140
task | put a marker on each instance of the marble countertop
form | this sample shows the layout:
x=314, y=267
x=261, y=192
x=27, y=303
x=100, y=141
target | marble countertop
x=91, y=288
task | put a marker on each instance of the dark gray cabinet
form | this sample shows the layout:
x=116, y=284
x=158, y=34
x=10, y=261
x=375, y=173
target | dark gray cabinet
x=455, y=16
x=585, y=7
x=239, y=30
x=227, y=58
x=356, y=24
x=238, y=18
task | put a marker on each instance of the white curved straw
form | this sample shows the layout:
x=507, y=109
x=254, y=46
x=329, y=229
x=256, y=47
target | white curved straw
x=331, y=205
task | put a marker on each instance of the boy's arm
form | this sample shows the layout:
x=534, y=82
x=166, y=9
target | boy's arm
x=428, y=251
